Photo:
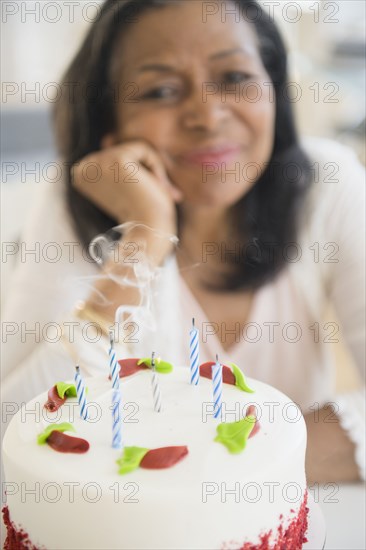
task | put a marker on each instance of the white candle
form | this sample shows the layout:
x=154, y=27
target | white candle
x=116, y=397
x=155, y=386
x=217, y=388
x=81, y=393
x=194, y=354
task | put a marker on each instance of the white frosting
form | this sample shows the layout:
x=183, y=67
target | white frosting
x=180, y=507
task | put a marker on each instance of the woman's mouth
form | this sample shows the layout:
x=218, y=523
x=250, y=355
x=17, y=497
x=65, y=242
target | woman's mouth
x=216, y=154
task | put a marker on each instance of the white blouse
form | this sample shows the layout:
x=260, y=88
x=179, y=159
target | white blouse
x=285, y=343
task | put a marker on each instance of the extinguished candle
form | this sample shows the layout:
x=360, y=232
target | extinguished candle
x=194, y=354
x=155, y=385
x=217, y=388
x=116, y=397
x=81, y=393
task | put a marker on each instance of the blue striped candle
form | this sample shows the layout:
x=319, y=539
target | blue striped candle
x=155, y=386
x=116, y=397
x=217, y=388
x=194, y=350
x=81, y=393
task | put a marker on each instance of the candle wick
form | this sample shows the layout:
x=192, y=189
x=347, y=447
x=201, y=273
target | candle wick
x=193, y=321
x=217, y=358
x=153, y=360
x=111, y=339
x=77, y=368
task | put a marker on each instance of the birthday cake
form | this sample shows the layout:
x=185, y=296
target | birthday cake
x=182, y=478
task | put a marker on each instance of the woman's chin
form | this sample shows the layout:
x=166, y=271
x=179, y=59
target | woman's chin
x=209, y=200
x=216, y=195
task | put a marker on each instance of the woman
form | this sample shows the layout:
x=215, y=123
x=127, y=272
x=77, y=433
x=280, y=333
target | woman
x=180, y=120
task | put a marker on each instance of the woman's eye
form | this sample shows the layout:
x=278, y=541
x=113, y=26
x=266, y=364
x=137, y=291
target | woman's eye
x=160, y=93
x=236, y=77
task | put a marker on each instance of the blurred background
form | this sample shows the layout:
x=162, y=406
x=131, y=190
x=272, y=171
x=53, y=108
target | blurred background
x=326, y=44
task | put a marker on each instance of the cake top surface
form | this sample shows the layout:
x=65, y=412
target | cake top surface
x=186, y=419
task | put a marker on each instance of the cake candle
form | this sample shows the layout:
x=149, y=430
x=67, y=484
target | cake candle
x=155, y=385
x=194, y=354
x=116, y=397
x=81, y=393
x=217, y=387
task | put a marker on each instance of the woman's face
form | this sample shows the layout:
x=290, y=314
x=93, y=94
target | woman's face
x=197, y=91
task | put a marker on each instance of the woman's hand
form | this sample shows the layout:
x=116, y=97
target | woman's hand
x=128, y=181
x=132, y=186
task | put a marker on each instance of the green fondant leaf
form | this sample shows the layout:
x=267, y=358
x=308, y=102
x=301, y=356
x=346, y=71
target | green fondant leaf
x=131, y=459
x=240, y=379
x=66, y=388
x=234, y=435
x=63, y=427
x=161, y=366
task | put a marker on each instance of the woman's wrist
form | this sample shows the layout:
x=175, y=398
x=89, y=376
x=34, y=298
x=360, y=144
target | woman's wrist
x=122, y=277
x=142, y=244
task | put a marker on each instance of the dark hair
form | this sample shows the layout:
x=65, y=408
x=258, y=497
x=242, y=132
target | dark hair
x=266, y=218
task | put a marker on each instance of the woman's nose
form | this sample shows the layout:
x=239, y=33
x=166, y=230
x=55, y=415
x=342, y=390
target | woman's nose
x=203, y=110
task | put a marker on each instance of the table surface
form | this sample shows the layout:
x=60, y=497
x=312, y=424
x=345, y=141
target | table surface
x=344, y=509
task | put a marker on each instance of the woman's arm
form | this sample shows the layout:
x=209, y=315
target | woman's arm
x=347, y=292
x=336, y=446
x=150, y=201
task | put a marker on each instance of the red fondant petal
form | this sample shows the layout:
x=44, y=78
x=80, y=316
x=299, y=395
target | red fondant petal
x=164, y=457
x=130, y=366
x=66, y=444
x=54, y=401
x=227, y=374
x=255, y=430
x=251, y=410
